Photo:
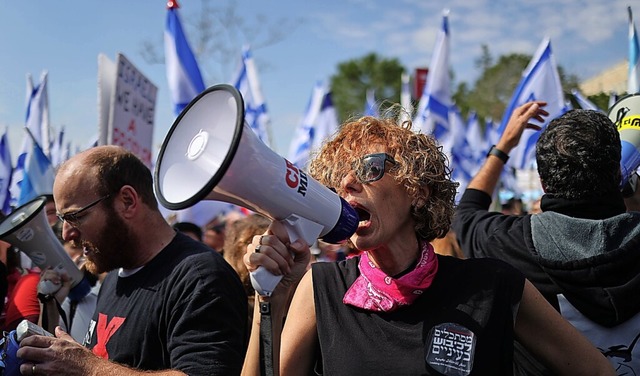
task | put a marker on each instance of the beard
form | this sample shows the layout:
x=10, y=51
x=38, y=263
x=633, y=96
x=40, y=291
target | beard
x=113, y=248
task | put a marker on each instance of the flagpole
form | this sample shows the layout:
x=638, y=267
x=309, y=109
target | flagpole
x=33, y=139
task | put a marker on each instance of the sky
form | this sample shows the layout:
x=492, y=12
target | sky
x=65, y=38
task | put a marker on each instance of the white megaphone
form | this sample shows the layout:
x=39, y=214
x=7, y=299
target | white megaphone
x=27, y=229
x=625, y=114
x=211, y=154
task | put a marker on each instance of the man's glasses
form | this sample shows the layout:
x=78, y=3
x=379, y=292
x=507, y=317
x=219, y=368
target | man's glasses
x=371, y=167
x=72, y=218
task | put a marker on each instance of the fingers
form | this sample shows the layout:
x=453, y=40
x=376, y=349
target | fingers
x=61, y=334
x=51, y=275
x=270, y=252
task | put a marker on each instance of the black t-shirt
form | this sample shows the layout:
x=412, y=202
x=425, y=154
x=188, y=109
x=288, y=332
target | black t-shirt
x=462, y=324
x=186, y=310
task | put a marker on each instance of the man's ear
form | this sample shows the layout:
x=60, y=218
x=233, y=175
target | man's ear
x=128, y=200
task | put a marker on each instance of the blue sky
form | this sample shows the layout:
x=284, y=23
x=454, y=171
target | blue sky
x=65, y=38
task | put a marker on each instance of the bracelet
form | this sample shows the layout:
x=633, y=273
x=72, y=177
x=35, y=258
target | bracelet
x=504, y=157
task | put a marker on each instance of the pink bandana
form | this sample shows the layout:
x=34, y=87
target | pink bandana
x=373, y=290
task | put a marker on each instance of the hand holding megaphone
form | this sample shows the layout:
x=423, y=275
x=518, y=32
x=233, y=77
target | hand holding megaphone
x=269, y=256
x=56, y=283
x=210, y=153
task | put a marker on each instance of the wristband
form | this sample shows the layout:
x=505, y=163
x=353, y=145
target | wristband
x=504, y=157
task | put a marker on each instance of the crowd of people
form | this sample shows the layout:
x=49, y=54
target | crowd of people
x=423, y=286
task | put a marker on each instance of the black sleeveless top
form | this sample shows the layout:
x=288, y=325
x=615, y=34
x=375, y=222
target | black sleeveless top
x=461, y=325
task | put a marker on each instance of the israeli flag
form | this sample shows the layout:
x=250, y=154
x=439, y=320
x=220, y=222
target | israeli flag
x=327, y=123
x=459, y=152
x=57, y=149
x=476, y=142
x=633, y=84
x=583, y=101
x=613, y=98
x=247, y=82
x=183, y=74
x=36, y=122
x=38, y=176
x=303, y=140
x=405, y=99
x=370, y=106
x=491, y=135
x=540, y=81
x=432, y=116
x=6, y=170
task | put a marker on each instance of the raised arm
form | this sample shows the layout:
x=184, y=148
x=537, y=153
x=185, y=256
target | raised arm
x=489, y=174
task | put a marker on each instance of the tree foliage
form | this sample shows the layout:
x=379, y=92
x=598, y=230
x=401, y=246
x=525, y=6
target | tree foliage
x=488, y=96
x=492, y=91
x=354, y=77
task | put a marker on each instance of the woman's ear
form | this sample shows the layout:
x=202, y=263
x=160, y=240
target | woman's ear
x=421, y=201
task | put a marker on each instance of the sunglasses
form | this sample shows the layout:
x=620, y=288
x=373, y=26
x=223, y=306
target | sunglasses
x=72, y=218
x=372, y=167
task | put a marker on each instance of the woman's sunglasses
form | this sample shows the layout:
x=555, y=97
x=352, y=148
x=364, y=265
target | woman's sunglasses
x=372, y=167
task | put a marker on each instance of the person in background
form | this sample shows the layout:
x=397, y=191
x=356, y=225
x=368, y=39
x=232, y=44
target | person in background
x=168, y=305
x=535, y=207
x=583, y=251
x=448, y=245
x=407, y=310
x=238, y=234
x=22, y=300
x=50, y=210
x=214, y=236
x=9, y=273
x=72, y=312
x=190, y=229
x=513, y=206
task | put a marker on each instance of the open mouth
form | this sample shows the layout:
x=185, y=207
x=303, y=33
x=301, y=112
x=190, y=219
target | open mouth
x=363, y=215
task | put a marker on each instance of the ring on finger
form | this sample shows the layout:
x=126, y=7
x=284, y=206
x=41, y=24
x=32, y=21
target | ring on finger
x=33, y=369
x=257, y=249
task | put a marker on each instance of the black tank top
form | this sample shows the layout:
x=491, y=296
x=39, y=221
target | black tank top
x=461, y=325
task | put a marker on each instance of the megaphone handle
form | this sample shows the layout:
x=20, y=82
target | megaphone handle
x=297, y=227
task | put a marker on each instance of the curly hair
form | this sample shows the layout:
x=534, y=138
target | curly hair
x=578, y=155
x=238, y=234
x=422, y=168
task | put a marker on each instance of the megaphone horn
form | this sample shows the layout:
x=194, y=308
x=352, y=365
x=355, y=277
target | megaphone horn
x=210, y=153
x=625, y=114
x=27, y=229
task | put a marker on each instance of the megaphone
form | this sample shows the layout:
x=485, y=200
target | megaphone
x=210, y=153
x=27, y=229
x=625, y=114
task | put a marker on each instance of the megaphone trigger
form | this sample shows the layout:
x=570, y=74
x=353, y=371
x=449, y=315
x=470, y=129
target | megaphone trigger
x=302, y=228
